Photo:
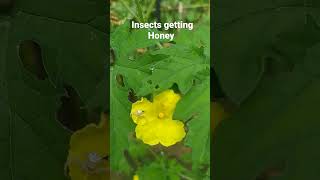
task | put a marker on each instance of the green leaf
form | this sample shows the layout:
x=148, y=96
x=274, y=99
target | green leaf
x=243, y=31
x=199, y=37
x=195, y=106
x=279, y=117
x=161, y=169
x=83, y=11
x=312, y=63
x=121, y=124
x=125, y=43
x=4, y=31
x=34, y=145
x=126, y=75
x=30, y=135
x=277, y=122
x=176, y=69
x=152, y=171
x=27, y=145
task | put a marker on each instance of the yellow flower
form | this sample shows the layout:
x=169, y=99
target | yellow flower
x=135, y=177
x=87, y=159
x=154, y=120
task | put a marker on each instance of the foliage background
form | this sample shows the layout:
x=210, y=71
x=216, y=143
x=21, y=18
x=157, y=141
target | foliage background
x=142, y=67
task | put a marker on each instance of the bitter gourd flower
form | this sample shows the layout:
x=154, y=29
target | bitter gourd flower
x=154, y=119
x=87, y=159
x=135, y=177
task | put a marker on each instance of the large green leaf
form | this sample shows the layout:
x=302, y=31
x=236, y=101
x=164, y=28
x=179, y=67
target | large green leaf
x=121, y=124
x=125, y=43
x=243, y=31
x=198, y=37
x=34, y=145
x=84, y=11
x=275, y=120
x=31, y=135
x=169, y=71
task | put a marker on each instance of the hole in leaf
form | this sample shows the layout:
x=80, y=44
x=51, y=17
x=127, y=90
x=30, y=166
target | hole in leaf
x=106, y=158
x=216, y=90
x=31, y=58
x=71, y=112
x=194, y=82
x=6, y=5
x=157, y=87
x=112, y=57
x=149, y=82
x=132, y=96
x=175, y=88
x=119, y=79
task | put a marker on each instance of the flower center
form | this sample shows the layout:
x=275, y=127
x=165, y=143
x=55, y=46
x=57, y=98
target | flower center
x=161, y=115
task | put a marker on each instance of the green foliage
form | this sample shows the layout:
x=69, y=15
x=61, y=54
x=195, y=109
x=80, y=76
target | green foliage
x=173, y=10
x=160, y=170
x=44, y=46
x=194, y=107
x=266, y=56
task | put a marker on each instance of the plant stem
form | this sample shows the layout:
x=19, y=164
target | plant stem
x=159, y=45
x=139, y=10
x=187, y=7
x=185, y=177
x=153, y=153
x=150, y=9
x=129, y=9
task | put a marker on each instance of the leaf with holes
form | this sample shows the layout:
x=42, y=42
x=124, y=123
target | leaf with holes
x=26, y=140
x=243, y=33
x=43, y=50
x=121, y=124
x=176, y=69
x=125, y=44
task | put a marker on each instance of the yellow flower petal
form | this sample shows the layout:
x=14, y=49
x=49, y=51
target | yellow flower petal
x=166, y=132
x=170, y=132
x=165, y=103
x=88, y=148
x=148, y=132
x=141, y=111
x=135, y=177
x=91, y=137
